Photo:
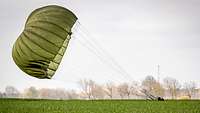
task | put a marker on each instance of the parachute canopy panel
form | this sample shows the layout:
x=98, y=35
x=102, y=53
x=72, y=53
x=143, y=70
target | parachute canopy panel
x=39, y=49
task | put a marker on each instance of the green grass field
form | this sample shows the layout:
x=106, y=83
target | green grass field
x=98, y=106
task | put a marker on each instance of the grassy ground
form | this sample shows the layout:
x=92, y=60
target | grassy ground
x=98, y=106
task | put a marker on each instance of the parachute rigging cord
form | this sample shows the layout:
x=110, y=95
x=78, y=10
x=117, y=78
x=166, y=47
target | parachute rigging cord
x=82, y=35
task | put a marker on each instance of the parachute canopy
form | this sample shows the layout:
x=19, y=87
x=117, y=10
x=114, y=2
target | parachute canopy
x=39, y=49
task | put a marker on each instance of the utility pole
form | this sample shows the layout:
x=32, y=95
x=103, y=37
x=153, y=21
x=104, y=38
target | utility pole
x=158, y=73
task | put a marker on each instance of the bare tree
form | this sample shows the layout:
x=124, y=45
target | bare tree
x=97, y=91
x=87, y=86
x=71, y=94
x=58, y=93
x=110, y=89
x=44, y=93
x=11, y=92
x=84, y=84
x=135, y=88
x=32, y=92
x=124, y=90
x=173, y=86
x=152, y=86
x=121, y=90
x=190, y=89
x=158, y=89
x=148, y=83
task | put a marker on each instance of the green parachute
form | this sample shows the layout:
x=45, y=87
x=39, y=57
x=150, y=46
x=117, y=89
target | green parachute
x=39, y=49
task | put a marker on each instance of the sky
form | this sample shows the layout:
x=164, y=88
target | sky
x=137, y=34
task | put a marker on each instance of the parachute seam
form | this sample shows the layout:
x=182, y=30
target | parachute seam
x=53, y=11
x=50, y=23
x=47, y=31
x=18, y=53
x=24, y=52
x=40, y=69
x=32, y=50
x=38, y=45
x=55, y=18
x=18, y=45
x=41, y=11
x=34, y=70
x=40, y=37
x=16, y=58
x=56, y=12
x=52, y=69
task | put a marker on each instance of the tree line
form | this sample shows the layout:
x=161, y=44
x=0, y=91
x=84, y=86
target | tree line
x=169, y=88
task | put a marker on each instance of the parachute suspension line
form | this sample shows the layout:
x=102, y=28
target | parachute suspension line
x=106, y=59
x=91, y=49
x=111, y=59
x=94, y=51
x=97, y=55
x=101, y=59
x=93, y=46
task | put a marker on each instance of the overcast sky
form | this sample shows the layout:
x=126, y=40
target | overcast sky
x=138, y=34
